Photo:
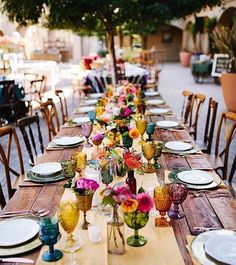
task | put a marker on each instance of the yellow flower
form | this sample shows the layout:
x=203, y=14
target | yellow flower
x=134, y=133
x=129, y=206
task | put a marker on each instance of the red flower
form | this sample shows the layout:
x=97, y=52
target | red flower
x=132, y=160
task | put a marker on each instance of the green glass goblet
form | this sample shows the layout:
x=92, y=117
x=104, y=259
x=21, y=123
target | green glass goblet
x=68, y=168
x=158, y=151
x=150, y=130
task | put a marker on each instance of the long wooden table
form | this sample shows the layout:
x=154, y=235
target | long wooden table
x=206, y=211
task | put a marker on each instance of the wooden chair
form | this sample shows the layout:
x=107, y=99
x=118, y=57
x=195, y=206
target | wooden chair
x=2, y=198
x=152, y=82
x=63, y=104
x=29, y=138
x=198, y=100
x=37, y=87
x=219, y=160
x=50, y=116
x=209, y=127
x=5, y=159
x=187, y=106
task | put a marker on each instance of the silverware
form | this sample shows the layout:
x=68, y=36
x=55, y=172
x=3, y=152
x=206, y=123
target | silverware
x=200, y=229
x=18, y=260
x=26, y=211
x=25, y=214
x=30, y=185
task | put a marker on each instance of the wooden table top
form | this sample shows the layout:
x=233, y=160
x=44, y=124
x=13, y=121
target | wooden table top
x=206, y=211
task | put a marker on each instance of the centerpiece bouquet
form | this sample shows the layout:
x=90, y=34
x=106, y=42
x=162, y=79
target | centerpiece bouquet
x=128, y=134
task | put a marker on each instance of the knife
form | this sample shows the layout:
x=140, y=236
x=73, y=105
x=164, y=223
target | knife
x=19, y=260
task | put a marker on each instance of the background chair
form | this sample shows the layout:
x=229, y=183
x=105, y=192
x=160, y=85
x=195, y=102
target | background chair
x=2, y=198
x=63, y=104
x=5, y=159
x=187, y=106
x=219, y=160
x=50, y=116
x=209, y=127
x=29, y=138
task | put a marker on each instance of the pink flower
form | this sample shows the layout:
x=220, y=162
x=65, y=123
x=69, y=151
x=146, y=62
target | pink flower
x=98, y=136
x=121, y=193
x=122, y=98
x=87, y=184
x=125, y=112
x=132, y=90
x=145, y=202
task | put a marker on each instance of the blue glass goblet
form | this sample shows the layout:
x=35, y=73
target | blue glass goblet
x=150, y=130
x=49, y=235
x=92, y=115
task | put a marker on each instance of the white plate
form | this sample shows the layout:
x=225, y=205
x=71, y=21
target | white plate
x=46, y=168
x=222, y=248
x=198, y=244
x=85, y=109
x=81, y=120
x=159, y=111
x=178, y=146
x=167, y=124
x=155, y=102
x=95, y=95
x=151, y=93
x=90, y=102
x=17, y=231
x=195, y=177
x=67, y=140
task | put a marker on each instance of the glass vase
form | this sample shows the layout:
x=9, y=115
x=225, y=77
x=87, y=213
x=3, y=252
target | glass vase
x=127, y=141
x=115, y=233
x=136, y=221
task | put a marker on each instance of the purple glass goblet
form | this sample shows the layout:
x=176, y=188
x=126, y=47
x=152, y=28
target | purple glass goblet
x=87, y=129
x=178, y=192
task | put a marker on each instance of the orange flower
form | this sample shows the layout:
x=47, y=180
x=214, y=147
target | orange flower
x=134, y=133
x=132, y=160
x=129, y=206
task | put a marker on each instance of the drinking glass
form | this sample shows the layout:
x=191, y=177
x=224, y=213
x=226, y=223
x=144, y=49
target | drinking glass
x=49, y=235
x=163, y=200
x=141, y=125
x=68, y=215
x=92, y=115
x=159, y=147
x=178, y=192
x=149, y=149
x=68, y=170
x=150, y=130
x=107, y=173
x=87, y=129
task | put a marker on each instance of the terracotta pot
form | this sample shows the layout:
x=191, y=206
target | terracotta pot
x=185, y=58
x=228, y=81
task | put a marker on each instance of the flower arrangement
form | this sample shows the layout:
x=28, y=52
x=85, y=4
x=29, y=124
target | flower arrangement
x=124, y=115
x=128, y=135
x=11, y=44
x=98, y=138
x=132, y=160
x=84, y=186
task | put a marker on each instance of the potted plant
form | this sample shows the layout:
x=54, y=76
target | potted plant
x=185, y=56
x=225, y=42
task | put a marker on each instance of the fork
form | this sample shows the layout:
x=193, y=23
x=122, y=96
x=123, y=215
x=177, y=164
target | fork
x=36, y=214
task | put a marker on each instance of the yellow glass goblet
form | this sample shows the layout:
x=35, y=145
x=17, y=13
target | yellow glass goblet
x=68, y=216
x=149, y=149
x=163, y=200
x=141, y=125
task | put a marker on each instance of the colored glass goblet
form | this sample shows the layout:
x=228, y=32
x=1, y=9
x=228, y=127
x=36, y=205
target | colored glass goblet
x=150, y=130
x=141, y=125
x=49, y=235
x=178, y=192
x=87, y=129
x=92, y=115
x=148, y=150
x=158, y=151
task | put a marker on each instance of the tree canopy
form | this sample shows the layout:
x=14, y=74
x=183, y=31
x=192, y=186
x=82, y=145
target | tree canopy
x=102, y=16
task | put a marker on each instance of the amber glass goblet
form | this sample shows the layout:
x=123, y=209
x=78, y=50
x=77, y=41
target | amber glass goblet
x=163, y=200
x=141, y=125
x=149, y=149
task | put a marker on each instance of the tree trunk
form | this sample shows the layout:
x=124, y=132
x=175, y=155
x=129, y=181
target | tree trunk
x=111, y=49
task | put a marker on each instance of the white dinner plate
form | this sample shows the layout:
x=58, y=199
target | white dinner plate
x=90, y=102
x=178, y=146
x=167, y=124
x=67, y=140
x=155, y=102
x=151, y=93
x=46, y=168
x=159, y=111
x=222, y=248
x=81, y=120
x=95, y=95
x=17, y=231
x=198, y=245
x=195, y=177
x=85, y=109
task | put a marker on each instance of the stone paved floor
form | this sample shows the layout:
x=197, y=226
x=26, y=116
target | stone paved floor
x=173, y=80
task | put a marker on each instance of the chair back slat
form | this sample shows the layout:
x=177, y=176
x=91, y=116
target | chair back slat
x=228, y=119
x=2, y=198
x=63, y=105
x=5, y=156
x=186, y=113
x=29, y=138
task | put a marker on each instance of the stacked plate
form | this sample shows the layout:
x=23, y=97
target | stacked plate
x=81, y=120
x=167, y=124
x=85, y=109
x=96, y=95
x=155, y=102
x=45, y=172
x=151, y=93
x=195, y=179
x=158, y=111
x=68, y=141
x=215, y=247
x=18, y=235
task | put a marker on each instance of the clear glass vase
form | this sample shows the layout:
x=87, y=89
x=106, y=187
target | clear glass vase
x=116, y=233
